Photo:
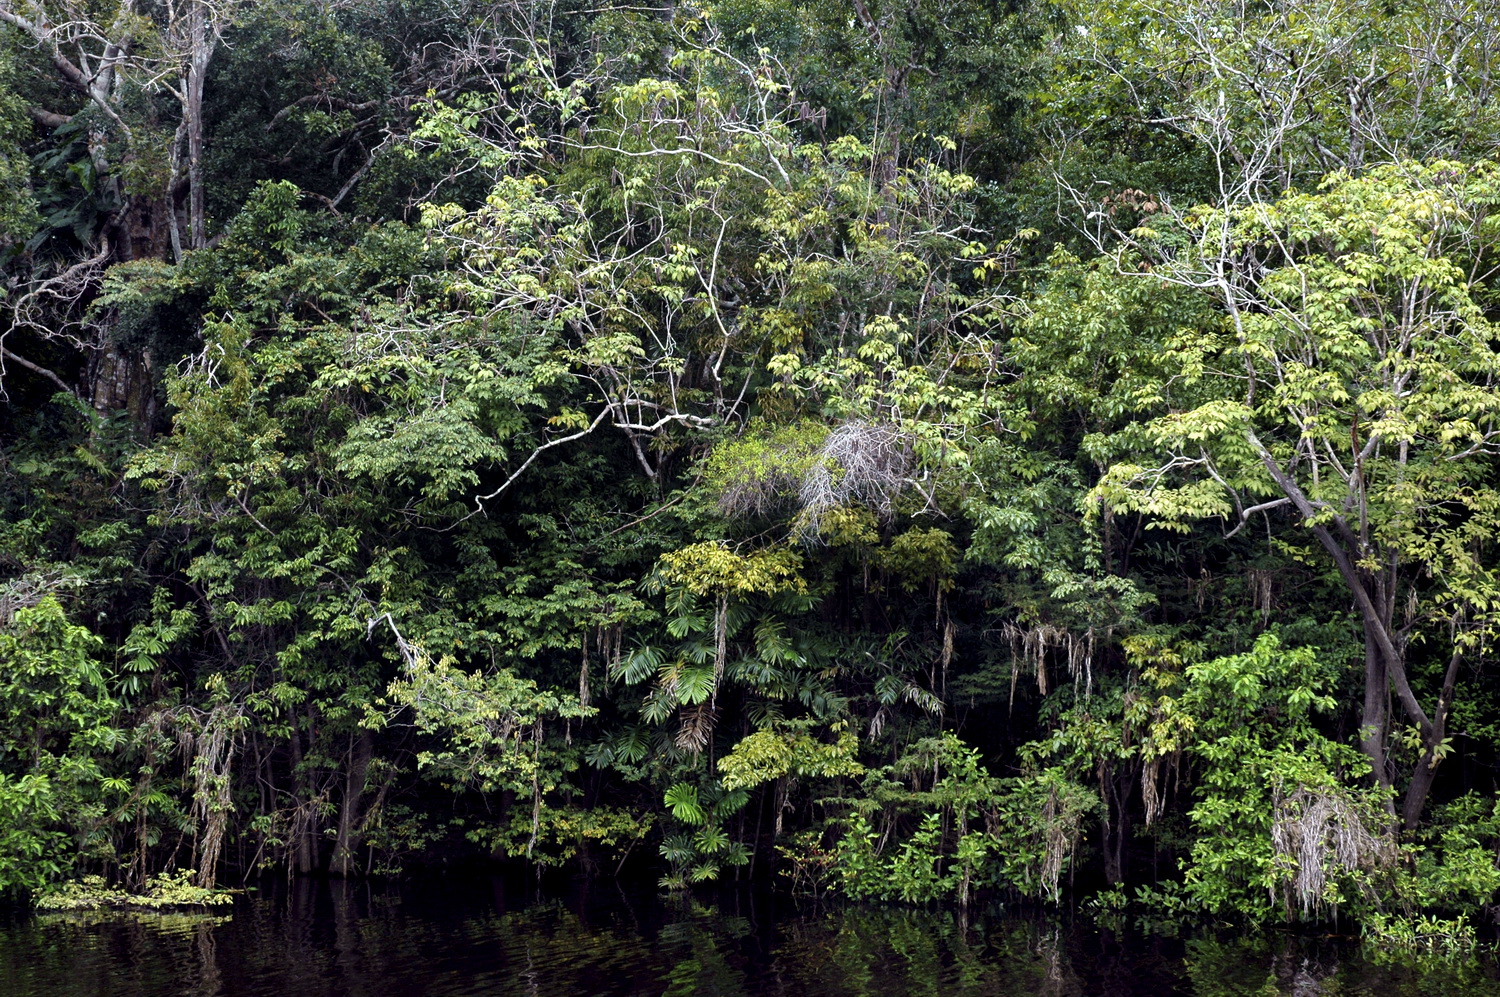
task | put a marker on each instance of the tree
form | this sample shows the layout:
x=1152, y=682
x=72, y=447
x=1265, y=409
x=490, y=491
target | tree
x=1357, y=388
x=122, y=198
x=1238, y=99
x=116, y=60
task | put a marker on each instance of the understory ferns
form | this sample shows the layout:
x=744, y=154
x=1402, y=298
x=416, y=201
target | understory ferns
x=712, y=593
x=698, y=846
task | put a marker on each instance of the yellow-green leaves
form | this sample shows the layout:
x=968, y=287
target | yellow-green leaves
x=1362, y=361
x=790, y=749
x=487, y=727
x=763, y=469
x=712, y=568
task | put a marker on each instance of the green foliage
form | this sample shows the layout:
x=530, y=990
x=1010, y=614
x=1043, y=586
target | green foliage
x=935, y=825
x=53, y=693
x=1247, y=723
x=1446, y=874
x=713, y=569
x=57, y=721
x=788, y=749
x=33, y=846
x=700, y=846
x=489, y=727
x=165, y=891
x=555, y=836
x=762, y=470
x=582, y=427
x=18, y=216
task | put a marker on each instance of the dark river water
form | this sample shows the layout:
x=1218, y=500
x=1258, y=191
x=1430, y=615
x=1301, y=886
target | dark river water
x=476, y=936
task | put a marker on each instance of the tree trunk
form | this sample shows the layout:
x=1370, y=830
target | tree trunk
x=301, y=841
x=121, y=381
x=201, y=44
x=1116, y=832
x=351, y=817
x=1374, y=721
x=1385, y=651
x=1433, y=749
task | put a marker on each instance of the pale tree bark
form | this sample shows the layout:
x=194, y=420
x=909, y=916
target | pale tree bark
x=147, y=45
x=196, y=33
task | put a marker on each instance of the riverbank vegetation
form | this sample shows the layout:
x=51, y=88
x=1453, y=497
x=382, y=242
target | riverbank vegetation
x=927, y=451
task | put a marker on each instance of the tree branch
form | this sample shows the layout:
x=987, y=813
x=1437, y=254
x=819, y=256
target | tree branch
x=35, y=369
x=598, y=419
x=48, y=119
x=1245, y=514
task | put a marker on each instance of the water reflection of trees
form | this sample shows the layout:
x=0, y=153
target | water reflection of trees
x=1272, y=965
x=703, y=949
x=858, y=952
x=124, y=953
x=1257, y=965
x=363, y=940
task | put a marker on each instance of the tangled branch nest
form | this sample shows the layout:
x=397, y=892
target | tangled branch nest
x=1319, y=831
x=860, y=462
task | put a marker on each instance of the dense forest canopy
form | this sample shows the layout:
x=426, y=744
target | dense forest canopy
x=926, y=450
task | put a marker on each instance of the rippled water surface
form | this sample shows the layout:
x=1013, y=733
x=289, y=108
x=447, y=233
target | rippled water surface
x=473, y=936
